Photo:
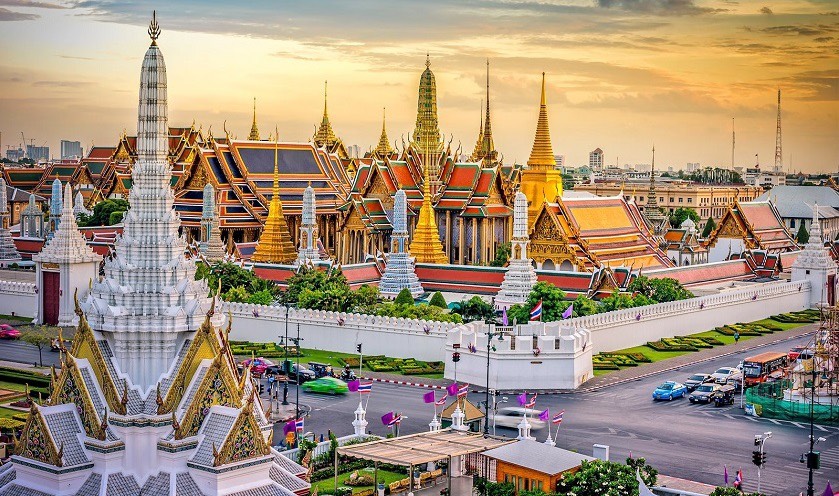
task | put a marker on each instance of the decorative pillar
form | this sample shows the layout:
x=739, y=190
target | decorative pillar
x=360, y=422
x=308, y=247
x=520, y=276
x=457, y=419
x=8, y=251
x=524, y=429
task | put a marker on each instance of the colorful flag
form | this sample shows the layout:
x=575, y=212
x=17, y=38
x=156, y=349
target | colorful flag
x=569, y=312
x=463, y=391
x=387, y=418
x=504, y=319
x=395, y=420
x=365, y=387
x=558, y=420
x=428, y=397
x=738, y=481
x=532, y=402
x=353, y=385
x=442, y=401
x=298, y=425
x=725, y=474
x=828, y=491
x=288, y=427
x=452, y=389
x=545, y=415
x=536, y=312
x=522, y=399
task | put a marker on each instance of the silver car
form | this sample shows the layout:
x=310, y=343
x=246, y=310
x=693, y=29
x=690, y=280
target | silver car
x=727, y=374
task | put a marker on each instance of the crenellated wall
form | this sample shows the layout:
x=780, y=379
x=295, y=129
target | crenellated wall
x=18, y=298
x=341, y=332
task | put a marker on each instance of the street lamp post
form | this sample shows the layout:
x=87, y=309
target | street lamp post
x=285, y=359
x=490, y=347
x=812, y=457
x=297, y=389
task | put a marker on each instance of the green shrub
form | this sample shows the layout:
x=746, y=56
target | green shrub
x=712, y=341
x=437, y=300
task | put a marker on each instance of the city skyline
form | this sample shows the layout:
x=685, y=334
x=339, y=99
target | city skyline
x=622, y=75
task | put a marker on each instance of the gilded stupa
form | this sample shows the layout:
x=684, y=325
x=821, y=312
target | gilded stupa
x=383, y=149
x=479, y=144
x=254, y=135
x=485, y=146
x=325, y=136
x=426, y=246
x=275, y=241
x=427, y=140
x=540, y=180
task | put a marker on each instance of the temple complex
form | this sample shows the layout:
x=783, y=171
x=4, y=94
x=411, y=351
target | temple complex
x=521, y=275
x=148, y=400
x=399, y=272
x=755, y=225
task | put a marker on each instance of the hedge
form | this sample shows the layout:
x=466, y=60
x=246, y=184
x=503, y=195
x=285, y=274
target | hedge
x=21, y=377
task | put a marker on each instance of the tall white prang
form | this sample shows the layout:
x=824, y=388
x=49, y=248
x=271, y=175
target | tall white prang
x=520, y=276
x=8, y=251
x=399, y=271
x=308, y=250
x=211, y=245
x=149, y=299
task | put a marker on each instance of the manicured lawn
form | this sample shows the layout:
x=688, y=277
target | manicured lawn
x=783, y=325
x=383, y=475
x=12, y=386
x=8, y=412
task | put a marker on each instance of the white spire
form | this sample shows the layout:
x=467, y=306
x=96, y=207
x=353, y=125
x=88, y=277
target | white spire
x=520, y=216
x=399, y=271
x=67, y=245
x=520, y=276
x=308, y=251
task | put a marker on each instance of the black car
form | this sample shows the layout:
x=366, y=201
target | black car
x=704, y=393
x=695, y=380
x=291, y=370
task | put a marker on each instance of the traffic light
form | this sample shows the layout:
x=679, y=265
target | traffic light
x=762, y=459
x=261, y=389
x=358, y=347
x=757, y=459
x=456, y=357
x=814, y=460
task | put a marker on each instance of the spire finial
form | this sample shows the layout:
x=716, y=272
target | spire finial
x=324, y=98
x=427, y=60
x=544, y=100
x=254, y=135
x=154, y=28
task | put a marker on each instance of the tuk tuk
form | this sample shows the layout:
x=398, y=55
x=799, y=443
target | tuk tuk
x=320, y=369
x=724, y=395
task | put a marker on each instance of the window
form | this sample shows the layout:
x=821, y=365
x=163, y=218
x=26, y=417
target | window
x=681, y=200
x=792, y=223
x=671, y=199
x=690, y=200
x=661, y=199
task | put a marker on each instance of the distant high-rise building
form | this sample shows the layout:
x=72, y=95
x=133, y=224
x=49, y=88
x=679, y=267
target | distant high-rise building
x=692, y=167
x=15, y=154
x=595, y=159
x=560, y=161
x=354, y=151
x=38, y=153
x=71, y=149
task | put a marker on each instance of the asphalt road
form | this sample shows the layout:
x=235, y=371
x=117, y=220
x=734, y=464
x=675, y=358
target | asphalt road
x=19, y=351
x=678, y=438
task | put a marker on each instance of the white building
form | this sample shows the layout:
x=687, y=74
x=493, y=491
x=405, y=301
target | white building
x=795, y=206
x=595, y=159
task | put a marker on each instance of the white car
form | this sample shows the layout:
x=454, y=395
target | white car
x=511, y=416
x=727, y=374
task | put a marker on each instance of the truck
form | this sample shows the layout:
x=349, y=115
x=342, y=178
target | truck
x=764, y=367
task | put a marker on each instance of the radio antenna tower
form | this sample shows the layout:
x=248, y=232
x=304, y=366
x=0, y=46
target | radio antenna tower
x=778, y=156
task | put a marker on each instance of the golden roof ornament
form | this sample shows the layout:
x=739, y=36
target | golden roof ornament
x=154, y=28
x=426, y=246
x=383, y=148
x=275, y=241
x=254, y=135
x=542, y=155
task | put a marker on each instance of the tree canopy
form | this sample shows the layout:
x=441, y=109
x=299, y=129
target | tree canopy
x=803, y=235
x=601, y=478
x=102, y=211
x=502, y=255
x=682, y=213
x=709, y=227
x=553, y=303
x=437, y=300
x=474, y=308
x=659, y=290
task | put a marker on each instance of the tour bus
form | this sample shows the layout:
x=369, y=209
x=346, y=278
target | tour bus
x=760, y=368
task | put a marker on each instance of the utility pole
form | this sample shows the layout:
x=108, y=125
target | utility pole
x=778, y=156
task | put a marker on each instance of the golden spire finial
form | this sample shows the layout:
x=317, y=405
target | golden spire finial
x=383, y=148
x=427, y=60
x=542, y=155
x=254, y=135
x=325, y=83
x=275, y=241
x=154, y=28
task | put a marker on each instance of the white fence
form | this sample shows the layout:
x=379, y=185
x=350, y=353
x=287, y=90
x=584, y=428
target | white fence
x=323, y=447
x=341, y=332
x=18, y=298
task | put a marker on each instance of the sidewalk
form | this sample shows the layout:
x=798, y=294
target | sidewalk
x=648, y=369
x=27, y=367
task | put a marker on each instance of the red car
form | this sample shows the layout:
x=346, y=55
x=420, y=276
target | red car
x=259, y=365
x=8, y=332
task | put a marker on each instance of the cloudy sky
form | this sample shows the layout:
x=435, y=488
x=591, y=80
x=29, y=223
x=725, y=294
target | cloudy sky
x=622, y=74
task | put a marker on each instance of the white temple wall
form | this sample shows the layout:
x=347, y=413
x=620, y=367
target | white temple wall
x=340, y=332
x=18, y=298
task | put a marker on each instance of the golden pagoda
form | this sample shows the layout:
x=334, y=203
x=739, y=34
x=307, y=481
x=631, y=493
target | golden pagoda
x=275, y=244
x=254, y=136
x=383, y=149
x=325, y=137
x=541, y=181
x=488, y=151
x=426, y=137
x=426, y=246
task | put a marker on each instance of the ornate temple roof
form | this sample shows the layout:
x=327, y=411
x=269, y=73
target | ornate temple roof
x=758, y=224
x=426, y=137
x=383, y=148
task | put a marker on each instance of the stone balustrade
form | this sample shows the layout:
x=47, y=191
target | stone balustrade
x=18, y=298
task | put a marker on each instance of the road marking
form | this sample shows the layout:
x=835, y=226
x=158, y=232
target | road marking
x=774, y=421
x=797, y=424
x=820, y=428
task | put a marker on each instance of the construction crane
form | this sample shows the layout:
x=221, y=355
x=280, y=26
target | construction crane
x=23, y=146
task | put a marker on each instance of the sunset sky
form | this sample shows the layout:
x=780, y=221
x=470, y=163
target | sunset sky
x=622, y=74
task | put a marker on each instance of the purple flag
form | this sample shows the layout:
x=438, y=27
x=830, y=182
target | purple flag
x=452, y=389
x=545, y=415
x=504, y=319
x=725, y=474
x=289, y=426
x=828, y=491
x=428, y=397
x=522, y=399
x=353, y=385
x=569, y=312
x=387, y=418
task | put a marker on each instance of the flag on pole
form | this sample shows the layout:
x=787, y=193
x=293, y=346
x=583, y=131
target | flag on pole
x=395, y=420
x=504, y=319
x=569, y=312
x=522, y=399
x=442, y=401
x=828, y=491
x=428, y=397
x=545, y=415
x=557, y=419
x=452, y=389
x=738, y=481
x=725, y=474
x=353, y=386
x=463, y=391
x=298, y=425
x=536, y=312
x=532, y=402
x=288, y=427
x=365, y=387
x=387, y=418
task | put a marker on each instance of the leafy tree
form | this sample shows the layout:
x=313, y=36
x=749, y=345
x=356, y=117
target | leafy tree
x=238, y=295
x=553, y=303
x=102, y=212
x=486, y=487
x=263, y=297
x=437, y=300
x=39, y=337
x=116, y=217
x=567, y=182
x=474, y=308
x=803, y=235
x=617, y=301
x=683, y=213
x=502, y=255
x=365, y=298
x=730, y=491
x=709, y=227
x=584, y=305
x=659, y=290
x=601, y=478
x=404, y=297
x=316, y=280
x=424, y=312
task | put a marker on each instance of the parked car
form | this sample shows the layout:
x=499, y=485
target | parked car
x=511, y=416
x=8, y=332
x=800, y=353
x=727, y=374
x=259, y=365
x=326, y=385
x=696, y=380
x=670, y=390
x=704, y=393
